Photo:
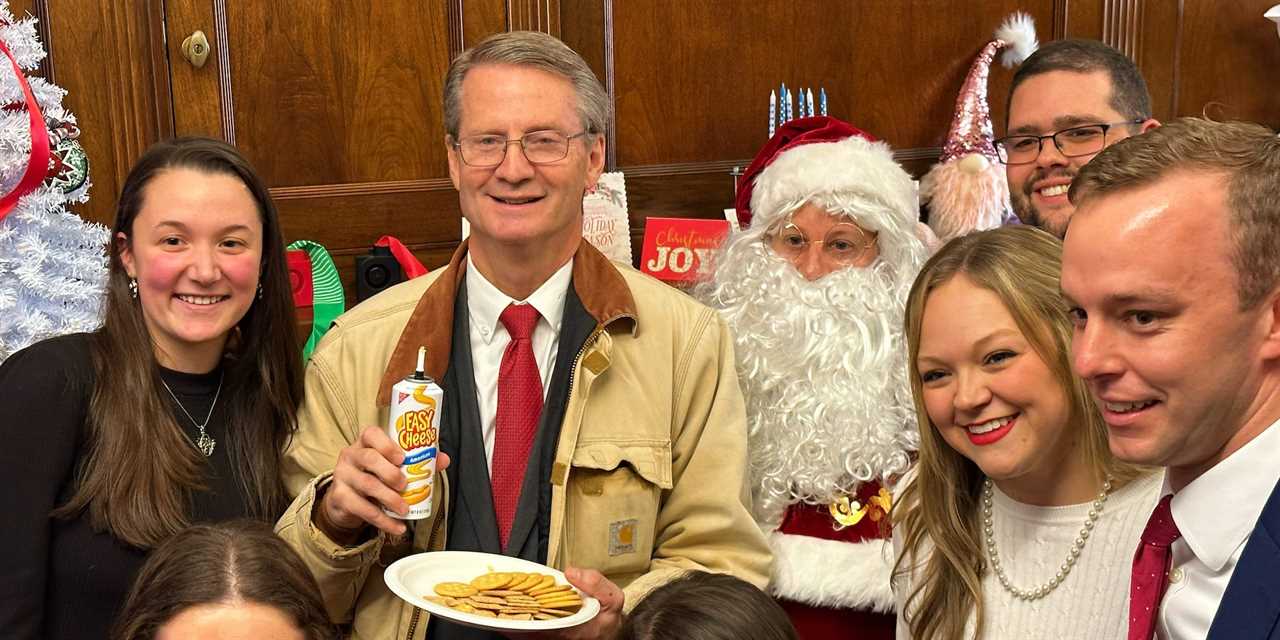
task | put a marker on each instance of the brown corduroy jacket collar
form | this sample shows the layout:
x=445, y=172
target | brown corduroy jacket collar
x=602, y=290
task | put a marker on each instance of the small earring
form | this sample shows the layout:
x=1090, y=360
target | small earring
x=133, y=288
x=259, y=290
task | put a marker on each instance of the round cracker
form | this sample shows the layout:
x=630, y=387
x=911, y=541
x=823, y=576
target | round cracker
x=530, y=581
x=490, y=581
x=454, y=589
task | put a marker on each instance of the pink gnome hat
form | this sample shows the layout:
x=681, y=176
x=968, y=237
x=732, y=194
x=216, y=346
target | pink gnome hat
x=966, y=190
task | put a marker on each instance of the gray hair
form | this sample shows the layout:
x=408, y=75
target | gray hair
x=529, y=49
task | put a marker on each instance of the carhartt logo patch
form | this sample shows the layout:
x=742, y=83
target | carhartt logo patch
x=622, y=537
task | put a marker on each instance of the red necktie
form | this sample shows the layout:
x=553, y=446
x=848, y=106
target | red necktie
x=519, y=406
x=1151, y=571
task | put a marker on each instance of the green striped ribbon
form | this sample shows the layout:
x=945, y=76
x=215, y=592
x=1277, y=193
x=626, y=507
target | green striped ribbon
x=327, y=299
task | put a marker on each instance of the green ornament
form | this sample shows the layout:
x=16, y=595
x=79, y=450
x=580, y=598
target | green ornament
x=69, y=168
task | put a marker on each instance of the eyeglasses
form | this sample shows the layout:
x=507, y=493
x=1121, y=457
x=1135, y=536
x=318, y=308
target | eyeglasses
x=1071, y=142
x=844, y=244
x=540, y=147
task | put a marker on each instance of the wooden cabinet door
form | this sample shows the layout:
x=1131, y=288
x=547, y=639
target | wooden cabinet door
x=338, y=106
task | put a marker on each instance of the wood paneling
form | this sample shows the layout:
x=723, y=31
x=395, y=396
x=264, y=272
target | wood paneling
x=1230, y=56
x=338, y=103
x=584, y=27
x=1158, y=56
x=706, y=97
x=703, y=100
x=320, y=93
x=534, y=15
x=109, y=58
x=338, y=106
x=475, y=19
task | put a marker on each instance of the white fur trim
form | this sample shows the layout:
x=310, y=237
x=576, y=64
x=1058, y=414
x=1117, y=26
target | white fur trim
x=830, y=573
x=1019, y=33
x=852, y=165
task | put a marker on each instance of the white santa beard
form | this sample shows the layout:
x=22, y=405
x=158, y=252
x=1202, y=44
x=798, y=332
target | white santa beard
x=823, y=367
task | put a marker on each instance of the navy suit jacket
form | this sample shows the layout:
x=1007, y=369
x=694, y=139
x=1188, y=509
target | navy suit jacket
x=1250, y=608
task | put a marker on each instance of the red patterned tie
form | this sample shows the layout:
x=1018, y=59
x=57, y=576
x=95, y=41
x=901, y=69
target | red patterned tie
x=1151, y=571
x=519, y=406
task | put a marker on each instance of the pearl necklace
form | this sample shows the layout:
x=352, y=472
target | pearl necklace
x=1076, y=547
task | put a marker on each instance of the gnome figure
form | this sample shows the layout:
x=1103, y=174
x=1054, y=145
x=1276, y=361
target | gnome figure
x=814, y=288
x=966, y=190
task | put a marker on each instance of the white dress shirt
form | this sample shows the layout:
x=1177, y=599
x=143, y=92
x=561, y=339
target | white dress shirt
x=1215, y=514
x=489, y=338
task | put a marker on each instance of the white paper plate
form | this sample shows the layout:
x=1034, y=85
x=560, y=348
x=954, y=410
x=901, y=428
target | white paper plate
x=415, y=576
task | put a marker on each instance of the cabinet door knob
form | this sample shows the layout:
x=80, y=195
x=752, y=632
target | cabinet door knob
x=196, y=49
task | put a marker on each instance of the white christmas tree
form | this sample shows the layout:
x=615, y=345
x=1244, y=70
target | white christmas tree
x=52, y=262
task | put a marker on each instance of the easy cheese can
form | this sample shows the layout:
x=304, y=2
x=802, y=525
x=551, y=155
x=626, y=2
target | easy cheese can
x=414, y=424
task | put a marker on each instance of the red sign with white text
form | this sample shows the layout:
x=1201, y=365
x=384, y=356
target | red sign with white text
x=674, y=248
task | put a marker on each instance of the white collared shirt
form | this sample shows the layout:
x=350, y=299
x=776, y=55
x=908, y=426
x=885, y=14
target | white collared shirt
x=489, y=338
x=1215, y=514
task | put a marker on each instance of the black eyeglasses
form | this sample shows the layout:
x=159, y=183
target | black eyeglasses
x=539, y=147
x=1071, y=142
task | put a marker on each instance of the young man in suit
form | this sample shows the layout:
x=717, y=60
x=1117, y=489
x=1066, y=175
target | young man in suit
x=591, y=414
x=1068, y=101
x=1171, y=272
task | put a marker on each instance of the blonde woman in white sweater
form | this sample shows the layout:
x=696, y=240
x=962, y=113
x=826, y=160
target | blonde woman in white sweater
x=1017, y=522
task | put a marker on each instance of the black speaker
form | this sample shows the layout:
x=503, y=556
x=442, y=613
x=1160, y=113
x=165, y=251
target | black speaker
x=376, y=271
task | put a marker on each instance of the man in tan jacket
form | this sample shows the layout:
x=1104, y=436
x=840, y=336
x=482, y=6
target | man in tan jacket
x=625, y=462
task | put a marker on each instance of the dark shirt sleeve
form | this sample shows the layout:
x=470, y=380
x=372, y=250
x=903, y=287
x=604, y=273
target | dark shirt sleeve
x=42, y=410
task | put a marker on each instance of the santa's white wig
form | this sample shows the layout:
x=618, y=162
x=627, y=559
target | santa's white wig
x=823, y=364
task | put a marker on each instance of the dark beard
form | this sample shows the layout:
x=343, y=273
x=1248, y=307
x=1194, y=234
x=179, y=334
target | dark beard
x=1028, y=213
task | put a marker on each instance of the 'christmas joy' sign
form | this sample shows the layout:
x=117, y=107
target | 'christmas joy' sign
x=675, y=248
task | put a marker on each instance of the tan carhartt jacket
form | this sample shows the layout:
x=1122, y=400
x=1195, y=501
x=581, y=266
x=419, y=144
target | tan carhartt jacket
x=654, y=434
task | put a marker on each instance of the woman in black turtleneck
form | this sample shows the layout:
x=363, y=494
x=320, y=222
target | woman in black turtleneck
x=174, y=412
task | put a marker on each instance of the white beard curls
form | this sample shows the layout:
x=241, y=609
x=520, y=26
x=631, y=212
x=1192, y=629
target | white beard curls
x=823, y=369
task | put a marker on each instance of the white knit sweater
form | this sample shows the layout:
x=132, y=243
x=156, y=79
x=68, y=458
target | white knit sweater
x=1093, y=602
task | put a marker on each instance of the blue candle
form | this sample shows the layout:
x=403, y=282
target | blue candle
x=822, y=99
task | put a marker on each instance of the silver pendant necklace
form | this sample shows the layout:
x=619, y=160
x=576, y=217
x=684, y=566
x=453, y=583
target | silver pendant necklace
x=204, y=443
x=1045, y=589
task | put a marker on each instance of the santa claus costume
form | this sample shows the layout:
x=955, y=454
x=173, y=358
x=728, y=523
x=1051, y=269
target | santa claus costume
x=823, y=368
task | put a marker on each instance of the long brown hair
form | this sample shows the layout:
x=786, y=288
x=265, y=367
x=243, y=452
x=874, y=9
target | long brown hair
x=139, y=472
x=238, y=561
x=1022, y=265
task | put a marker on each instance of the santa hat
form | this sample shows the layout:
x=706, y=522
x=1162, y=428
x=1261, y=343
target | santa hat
x=967, y=190
x=816, y=157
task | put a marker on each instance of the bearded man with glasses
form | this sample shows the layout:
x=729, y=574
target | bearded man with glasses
x=1068, y=101
x=592, y=419
x=813, y=288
